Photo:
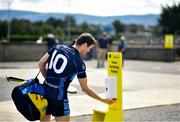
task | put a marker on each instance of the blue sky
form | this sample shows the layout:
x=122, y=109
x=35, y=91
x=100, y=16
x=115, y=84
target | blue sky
x=90, y=7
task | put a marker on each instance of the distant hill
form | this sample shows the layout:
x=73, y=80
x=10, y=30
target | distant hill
x=149, y=19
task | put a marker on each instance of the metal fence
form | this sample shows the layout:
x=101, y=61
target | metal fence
x=149, y=39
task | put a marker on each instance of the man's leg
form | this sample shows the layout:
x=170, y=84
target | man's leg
x=98, y=58
x=103, y=58
x=46, y=118
x=62, y=118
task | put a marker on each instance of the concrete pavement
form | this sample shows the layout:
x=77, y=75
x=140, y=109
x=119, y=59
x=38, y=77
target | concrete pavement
x=145, y=84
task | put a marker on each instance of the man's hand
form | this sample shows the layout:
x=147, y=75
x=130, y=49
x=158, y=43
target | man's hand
x=91, y=93
x=108, y=101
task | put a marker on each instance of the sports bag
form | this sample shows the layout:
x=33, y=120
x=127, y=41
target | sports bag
x=29, y=100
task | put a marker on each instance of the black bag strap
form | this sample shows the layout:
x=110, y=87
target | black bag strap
x=15, y=79
x=36, y=76
x=35, y=80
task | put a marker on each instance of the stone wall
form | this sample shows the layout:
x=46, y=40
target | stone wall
x=33, y=52
x=153, y=53
x=22, y=52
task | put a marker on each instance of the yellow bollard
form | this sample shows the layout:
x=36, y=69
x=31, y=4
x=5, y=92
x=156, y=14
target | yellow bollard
x=114, y=111
x=169, y=41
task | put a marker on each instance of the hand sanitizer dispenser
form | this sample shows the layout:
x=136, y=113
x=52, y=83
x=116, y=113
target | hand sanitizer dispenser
x=110, y=87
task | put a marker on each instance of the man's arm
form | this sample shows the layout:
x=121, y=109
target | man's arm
x=90, y=92
x=42, y=64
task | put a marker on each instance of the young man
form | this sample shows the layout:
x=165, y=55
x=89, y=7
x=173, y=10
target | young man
x=64, y=63
x=104, y=44
x=122, y=48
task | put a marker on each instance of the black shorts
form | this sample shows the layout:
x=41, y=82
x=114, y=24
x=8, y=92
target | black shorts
x=58, y=107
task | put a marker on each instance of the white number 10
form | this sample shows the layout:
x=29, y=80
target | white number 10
x=53, y=64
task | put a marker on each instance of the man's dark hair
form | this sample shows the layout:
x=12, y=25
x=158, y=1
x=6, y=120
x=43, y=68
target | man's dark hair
x=85, y=38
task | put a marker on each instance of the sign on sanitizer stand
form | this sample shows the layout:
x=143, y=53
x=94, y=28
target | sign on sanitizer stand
x=113, y=90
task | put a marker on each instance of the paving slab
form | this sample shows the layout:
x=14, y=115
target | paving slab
x=141, y=87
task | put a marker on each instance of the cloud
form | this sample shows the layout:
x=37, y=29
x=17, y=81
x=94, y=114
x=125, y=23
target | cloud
x=92, y=7
x=29, y=1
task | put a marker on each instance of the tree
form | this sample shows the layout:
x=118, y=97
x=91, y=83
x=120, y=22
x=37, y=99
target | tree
x=70, y=20
x=55, y=22
x=22, y=29
x=169, y=20
x=3, y=29
x=119, y=27
x=21, y=26
x=84, y=26
x=133, y=28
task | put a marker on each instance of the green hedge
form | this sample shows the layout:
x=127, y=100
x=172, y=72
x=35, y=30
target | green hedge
x=23, y=38
x=115, y=42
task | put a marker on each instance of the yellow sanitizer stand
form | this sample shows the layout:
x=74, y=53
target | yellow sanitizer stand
x=114, y=111
x=169, y=41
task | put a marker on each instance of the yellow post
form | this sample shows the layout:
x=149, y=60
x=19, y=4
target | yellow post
x=169, y=41
x=114, y=111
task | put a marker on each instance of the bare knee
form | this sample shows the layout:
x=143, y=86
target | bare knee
x=62, y=118
x=46, y=118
